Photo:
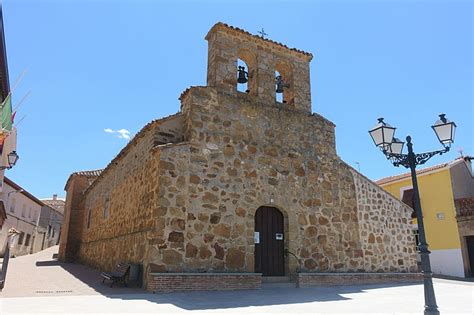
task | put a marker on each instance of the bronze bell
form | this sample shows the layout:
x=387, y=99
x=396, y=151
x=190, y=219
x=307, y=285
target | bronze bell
x=242, y=75
x=280, y=84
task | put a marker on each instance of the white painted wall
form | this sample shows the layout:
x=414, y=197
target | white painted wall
x=22, y=214
x=447, y=262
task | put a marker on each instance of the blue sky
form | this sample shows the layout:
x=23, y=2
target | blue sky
x=93, y=65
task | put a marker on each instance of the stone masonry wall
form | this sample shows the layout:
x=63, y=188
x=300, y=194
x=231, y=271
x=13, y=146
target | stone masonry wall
x=387, y=239
x=129, y=187
x=263, y=58
x=189, y=207
x=71, y=230
x=243, y=155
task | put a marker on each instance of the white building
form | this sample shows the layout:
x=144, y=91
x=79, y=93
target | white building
x=51, y=220
x=23, y=211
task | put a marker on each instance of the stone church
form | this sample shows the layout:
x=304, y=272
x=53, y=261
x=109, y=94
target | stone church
x=237, y=185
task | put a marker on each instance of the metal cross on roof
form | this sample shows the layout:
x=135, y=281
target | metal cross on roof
x=262, y=33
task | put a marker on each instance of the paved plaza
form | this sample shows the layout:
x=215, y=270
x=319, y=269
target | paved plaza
x=37, y=284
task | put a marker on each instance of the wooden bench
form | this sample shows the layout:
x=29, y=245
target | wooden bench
x=119, y=274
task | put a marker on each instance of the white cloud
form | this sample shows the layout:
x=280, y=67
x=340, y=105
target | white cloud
x=121, y=133
x=124, y=134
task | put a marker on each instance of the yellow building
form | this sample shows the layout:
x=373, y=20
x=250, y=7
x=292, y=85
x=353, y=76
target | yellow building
x=440, y=186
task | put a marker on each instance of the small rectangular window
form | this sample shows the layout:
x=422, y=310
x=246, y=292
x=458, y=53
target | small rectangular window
x=407, y=198
x=23, y=211
x=12, y=205
x=417, y=240
x=20, y=238
x=27, y=241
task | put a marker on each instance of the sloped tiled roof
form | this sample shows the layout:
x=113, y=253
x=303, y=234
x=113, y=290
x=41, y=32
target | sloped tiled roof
x=15, y=186
x=394, y=178
x=91, y=173
x=56, y=204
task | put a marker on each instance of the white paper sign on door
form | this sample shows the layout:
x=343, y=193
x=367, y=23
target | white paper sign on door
x=256, y=237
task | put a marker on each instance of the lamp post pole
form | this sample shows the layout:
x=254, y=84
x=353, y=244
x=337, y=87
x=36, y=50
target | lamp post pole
x=383, y=136
x=430, y=298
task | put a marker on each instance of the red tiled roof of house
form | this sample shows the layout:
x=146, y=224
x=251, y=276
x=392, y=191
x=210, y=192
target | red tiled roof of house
x=56, y=204
x=389, y=179
x=15, y=186
x=394, y=178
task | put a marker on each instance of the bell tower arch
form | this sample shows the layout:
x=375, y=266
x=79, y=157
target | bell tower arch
x=263, y=56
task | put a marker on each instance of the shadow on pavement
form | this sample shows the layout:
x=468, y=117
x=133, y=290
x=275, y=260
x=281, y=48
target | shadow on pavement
x=267, y=296
x=214, y=299
x=90, y=277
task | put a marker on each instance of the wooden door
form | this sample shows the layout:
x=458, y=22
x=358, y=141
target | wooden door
x=470, y=252
x=269, y=242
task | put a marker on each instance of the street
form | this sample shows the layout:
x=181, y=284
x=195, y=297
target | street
x=37, y=284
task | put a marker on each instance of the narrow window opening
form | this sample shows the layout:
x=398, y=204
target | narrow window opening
x=89, y=217
x=279, y=97
x=20, y=239
x=242, y=76
x=408, y=199
x=12, y=206
x=106, y=208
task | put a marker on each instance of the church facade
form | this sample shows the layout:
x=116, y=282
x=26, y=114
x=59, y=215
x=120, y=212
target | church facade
x=237, y=184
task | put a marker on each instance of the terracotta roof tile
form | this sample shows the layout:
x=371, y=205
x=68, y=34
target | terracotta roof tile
x=56, y=204
x=390, y=179
x=91, y=173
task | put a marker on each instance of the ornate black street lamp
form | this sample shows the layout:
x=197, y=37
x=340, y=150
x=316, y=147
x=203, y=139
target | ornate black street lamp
x=12, y=159
x=383, y=136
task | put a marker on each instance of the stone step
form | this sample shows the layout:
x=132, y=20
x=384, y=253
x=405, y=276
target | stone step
x=278, y=279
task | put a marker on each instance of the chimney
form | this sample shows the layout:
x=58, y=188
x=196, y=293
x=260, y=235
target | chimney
x=55, y=196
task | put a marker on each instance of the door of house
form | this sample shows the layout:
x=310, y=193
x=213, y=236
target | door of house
x=269, y=242
x=470, y=252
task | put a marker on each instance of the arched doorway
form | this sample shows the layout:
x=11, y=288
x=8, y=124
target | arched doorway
x=269, y=242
